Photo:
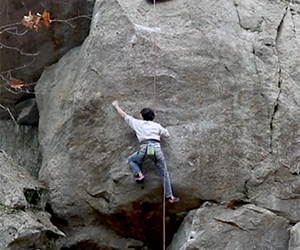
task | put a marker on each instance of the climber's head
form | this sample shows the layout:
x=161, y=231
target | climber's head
x=147, y=114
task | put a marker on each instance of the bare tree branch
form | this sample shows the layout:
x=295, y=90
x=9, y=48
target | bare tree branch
x=70, y=19
x=17, y=49
x=8, y=110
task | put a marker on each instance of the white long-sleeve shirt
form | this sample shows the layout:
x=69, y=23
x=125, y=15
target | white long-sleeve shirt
x=146, y=130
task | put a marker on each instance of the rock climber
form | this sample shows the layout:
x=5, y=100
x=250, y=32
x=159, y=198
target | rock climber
x=148, y=134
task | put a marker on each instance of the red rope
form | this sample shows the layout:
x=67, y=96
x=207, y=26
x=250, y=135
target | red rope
x=154, y=106
x=155, y=57
x=164, y=210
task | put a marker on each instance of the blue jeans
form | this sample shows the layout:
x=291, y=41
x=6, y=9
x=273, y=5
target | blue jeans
x=135, y=160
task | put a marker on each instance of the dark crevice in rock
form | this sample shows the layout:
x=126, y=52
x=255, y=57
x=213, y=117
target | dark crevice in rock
x=293, y=21
x=94, y=70
x=147, y=216
x=84, y=244
x=246, y=190
x=263, y=95
x=279, y=83
x=55, y=219
x=36, y=197
x=275, y=109
x=232, y=204
x=280, y=27
x=32, y=196
x=227, y=69
x=294, y=8
x=255, y=64
x=235, y=204
x=257, y=28
x=103, y=195
x=230, y=223
x=238, y=15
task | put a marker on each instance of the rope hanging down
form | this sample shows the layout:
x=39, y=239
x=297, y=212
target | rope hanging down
x=154, y=107
x=154, y=56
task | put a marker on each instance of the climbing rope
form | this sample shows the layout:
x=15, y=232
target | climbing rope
x=154, y=107
x=164, y=210
x=154, y=56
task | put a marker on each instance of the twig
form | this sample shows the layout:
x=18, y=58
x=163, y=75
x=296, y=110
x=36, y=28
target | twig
x=17, y=49
x=13, y=91
x=70, y=19
x=8, y=110
x=10, y=25
x=14, y=31
x=15, y=69
x=26, y=91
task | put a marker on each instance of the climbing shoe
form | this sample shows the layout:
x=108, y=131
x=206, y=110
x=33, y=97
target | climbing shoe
x=139, y=178
x=173, y=199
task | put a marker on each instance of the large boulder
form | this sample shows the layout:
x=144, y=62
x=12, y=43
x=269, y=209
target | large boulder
x=294, y=242
x=24, y=224
x=226, y=88
x=220, y=227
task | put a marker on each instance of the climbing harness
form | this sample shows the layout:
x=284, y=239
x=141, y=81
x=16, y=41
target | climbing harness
x=150, y=149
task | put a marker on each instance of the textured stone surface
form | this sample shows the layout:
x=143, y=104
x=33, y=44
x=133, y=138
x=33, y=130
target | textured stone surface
x=227, y=89
x=21, y=143
x=294, y=242
x=219, y=227
x=27, y=230
x=14, y=181
x=23, y=222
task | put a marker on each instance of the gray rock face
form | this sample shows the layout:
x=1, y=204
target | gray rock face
x=23, y=222
x=21, y=143
x=226, y=88
x=218, y=227
x=294, y=242
x=14, y=183
x=27, y=230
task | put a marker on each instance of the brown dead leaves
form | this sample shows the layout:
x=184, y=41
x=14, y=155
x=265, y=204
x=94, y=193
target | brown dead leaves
x=35, y=21
x=16, y=84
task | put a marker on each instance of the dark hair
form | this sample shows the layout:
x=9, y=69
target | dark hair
x=147, y=114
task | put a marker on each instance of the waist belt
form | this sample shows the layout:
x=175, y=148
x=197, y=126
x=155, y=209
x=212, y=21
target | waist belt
x=150, y=140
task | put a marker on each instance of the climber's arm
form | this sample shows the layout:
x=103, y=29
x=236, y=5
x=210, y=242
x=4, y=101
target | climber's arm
x=119, y=110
